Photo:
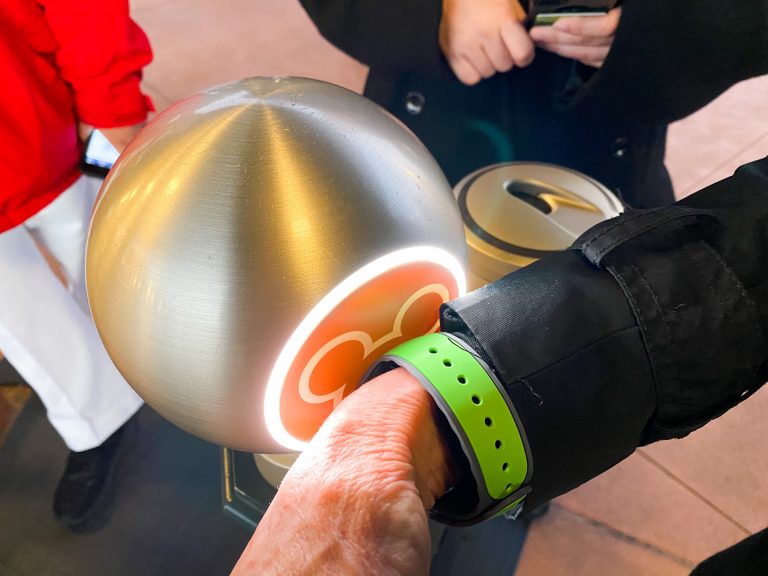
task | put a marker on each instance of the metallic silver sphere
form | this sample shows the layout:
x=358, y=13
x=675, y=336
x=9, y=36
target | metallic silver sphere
x=257, y=246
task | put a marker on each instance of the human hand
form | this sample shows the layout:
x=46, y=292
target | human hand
x=587, y=39
x=480, y=38
x=355, y=501
x=119, y=137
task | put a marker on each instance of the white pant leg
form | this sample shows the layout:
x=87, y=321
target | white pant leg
x=46, y=332
x=62, y=228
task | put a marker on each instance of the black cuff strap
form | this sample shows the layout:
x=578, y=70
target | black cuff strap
x=601, y=240
x=696, y=379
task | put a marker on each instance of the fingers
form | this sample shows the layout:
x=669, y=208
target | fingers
x=512, y=48
x=498, y=55
x=84, y=130
x=587, y=39
x=481, y=63
x=120, y=137
x=465, y=55
x=518, y=43
x=567, y=46
x=552, y=35
x=465, y=71
x=479, y=43
x=480, y=39
x=589, y=55
x=591, y=26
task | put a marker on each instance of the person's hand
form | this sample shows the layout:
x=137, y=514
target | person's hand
x=482, y=37
x=119, y=137
x=355, y=501
x=587, y=39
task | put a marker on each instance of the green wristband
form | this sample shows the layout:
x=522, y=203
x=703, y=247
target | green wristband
x=480, y=414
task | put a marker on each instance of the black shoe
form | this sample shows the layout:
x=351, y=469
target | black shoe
x=85, y=494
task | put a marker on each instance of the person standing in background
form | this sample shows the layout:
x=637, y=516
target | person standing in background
x=466, y=77
x=596, y=96
x=66, y=66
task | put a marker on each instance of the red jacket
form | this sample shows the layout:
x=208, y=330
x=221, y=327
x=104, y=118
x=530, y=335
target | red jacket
x=61, y=62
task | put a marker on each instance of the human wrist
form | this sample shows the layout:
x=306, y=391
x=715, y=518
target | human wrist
x=387, y=431
x=489, y=446
x=360, y=490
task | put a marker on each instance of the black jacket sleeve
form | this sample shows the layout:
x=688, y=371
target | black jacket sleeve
x=652, y=325
x=399, y=36
x=670, y=58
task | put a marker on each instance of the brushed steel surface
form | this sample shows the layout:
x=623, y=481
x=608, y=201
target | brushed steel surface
x=224, y=222
x=505, y=232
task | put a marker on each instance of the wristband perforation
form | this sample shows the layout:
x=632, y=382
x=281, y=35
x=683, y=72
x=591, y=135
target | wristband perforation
x=475, y=407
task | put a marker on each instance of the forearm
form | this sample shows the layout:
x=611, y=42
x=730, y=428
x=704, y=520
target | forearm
x=611, y=346
x=355, y=502
x=576, y=347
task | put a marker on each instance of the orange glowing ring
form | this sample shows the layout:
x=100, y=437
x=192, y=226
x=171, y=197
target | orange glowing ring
x=386, y=302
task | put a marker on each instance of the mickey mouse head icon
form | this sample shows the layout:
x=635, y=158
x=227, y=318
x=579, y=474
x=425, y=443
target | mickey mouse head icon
x=391, y=300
